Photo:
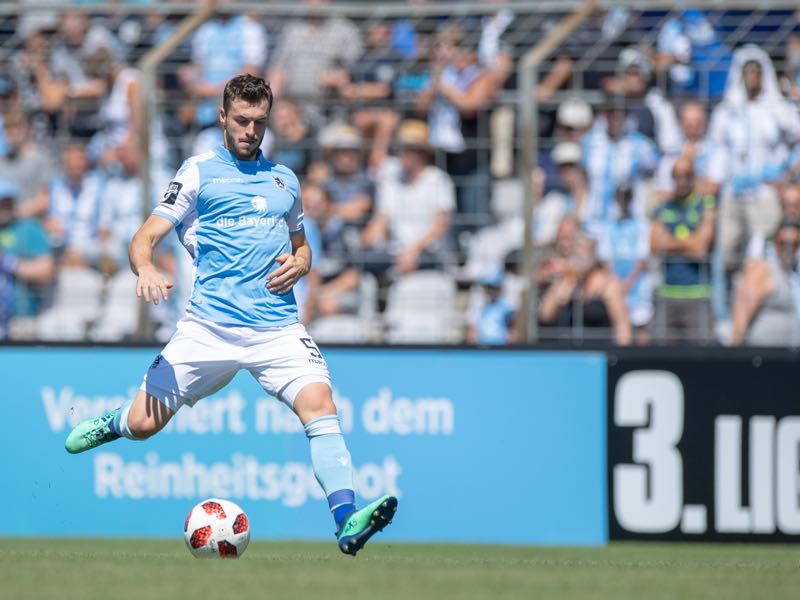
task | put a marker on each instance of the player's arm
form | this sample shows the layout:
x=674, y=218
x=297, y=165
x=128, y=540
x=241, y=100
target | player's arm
x=140, y=254
x=292, y=266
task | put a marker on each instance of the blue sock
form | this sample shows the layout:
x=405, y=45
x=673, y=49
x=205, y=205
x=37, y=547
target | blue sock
x=342, y=503
x=332, y=466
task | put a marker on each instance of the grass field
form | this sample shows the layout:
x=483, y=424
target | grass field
x=147, y=570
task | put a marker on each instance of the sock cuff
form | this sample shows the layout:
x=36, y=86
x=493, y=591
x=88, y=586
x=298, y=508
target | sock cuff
x=340, y=497
x=323, y=425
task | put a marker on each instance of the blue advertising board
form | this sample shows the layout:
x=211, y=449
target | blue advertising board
x=479, y=446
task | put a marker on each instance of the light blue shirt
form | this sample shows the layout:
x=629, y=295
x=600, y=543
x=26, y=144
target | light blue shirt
x=241, y=215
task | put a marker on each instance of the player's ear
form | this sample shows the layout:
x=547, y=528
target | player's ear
x=222, y=116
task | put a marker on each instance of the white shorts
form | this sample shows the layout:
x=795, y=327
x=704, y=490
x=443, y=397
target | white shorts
x=201, y=358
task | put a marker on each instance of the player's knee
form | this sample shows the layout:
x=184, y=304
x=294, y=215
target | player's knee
x=142, y=426
x=314, y=401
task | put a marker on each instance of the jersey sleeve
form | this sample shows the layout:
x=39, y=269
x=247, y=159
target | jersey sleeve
x=180, y=198
x=295, y=220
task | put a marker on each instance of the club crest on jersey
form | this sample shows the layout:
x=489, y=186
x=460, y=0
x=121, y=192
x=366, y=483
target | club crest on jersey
x=260, y=204
x=279, y=182
x=171, y=194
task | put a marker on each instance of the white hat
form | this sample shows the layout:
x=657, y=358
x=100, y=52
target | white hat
x=33, y=22
x=566, y=153
x=340, y=136
x=575, y=113
x=633, y=58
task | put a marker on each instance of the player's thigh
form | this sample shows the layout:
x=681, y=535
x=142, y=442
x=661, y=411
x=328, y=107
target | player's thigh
x=287, y=362
x=194, y=364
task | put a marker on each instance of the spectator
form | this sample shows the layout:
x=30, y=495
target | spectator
x=409, y=230
x=222, y=47
x=495, y=55
x=570, y=196
x=681, y=236
x=574, y=118
x=348, y=185
x=369, y=91
x=72, y=220
x=312, y=58
x=293, y=143
x=26, y=163
x=696, y=58
x=752, y=126
x=790, y=81
x=337, y=289
x=121, y=212
x=26, y=262
x=624, y=249
x=767, y=302
x=120, y=120
x=790, y=211
x=30, y=69
x=492, y=323
x=649, y=112
x=613, y=156
x=697, y=147
x=458, y=91
x=76, y=91
x=577, y=291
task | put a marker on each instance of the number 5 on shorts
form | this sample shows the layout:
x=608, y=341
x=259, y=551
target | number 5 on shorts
x=309, y=343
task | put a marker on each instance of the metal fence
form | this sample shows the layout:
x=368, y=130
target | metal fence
x=489, y=276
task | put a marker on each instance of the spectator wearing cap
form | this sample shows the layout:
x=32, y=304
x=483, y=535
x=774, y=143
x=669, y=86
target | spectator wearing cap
x=648, y=111
x=26, y=261
x=570, y=196
x=349, y=187
x=766, y=307
x=682, y=232
x=459, y=90
x=614, y=155
x=26, y=163
x=409, y=230
x=574, y=118
x=624, y=249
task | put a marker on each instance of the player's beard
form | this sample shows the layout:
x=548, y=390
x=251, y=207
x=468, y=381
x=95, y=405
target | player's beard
x=240, y=149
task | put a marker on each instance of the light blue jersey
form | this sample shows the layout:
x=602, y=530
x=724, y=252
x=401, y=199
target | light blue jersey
x=240, y=215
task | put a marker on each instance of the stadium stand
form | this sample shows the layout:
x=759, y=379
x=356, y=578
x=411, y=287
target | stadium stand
x=625, y=97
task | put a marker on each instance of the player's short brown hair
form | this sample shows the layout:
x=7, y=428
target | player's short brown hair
x=248, y=88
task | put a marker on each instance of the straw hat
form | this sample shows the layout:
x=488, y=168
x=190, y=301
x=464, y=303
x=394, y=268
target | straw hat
x=413, y=134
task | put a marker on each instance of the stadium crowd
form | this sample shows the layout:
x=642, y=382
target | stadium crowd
x=667, y=196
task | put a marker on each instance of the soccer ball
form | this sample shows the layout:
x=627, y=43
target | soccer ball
x=217, y=528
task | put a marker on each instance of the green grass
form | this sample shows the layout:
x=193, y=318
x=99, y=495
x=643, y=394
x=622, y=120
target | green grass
x=151, y=570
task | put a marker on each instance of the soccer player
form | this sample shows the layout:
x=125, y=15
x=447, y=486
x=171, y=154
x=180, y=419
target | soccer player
x=245, y=218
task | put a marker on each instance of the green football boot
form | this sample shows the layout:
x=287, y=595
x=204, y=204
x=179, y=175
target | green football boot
x=362, y=524
x=91, y=434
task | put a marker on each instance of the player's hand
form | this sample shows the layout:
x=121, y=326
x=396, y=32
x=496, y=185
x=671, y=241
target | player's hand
x=150, y=283
x=282, y=279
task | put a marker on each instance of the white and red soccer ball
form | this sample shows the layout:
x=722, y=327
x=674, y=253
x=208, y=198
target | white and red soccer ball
x=217, y=528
